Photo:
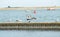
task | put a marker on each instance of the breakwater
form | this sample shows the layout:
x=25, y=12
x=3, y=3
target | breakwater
x=29, y=26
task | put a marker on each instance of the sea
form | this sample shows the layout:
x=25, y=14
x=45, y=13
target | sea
x=29, y=33
x=41, y=15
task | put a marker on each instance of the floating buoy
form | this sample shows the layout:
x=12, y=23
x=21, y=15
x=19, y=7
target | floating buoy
x=34, y=12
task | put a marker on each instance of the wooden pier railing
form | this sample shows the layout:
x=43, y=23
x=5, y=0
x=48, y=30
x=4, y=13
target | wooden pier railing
x=29, y=26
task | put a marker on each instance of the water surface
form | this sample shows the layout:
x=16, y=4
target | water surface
x=28, y=33
x=41, y=15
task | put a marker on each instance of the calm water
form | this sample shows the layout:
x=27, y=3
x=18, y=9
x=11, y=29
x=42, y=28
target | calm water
x=41, y=15
x=28, y=33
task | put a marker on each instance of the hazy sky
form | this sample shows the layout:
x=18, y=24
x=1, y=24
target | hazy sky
x=29, y=3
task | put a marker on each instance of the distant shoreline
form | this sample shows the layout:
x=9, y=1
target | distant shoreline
x=28, y=8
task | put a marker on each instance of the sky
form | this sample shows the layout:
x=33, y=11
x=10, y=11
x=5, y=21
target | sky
x=29, y=3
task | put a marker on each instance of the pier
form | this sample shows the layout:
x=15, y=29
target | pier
x=29, y=26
